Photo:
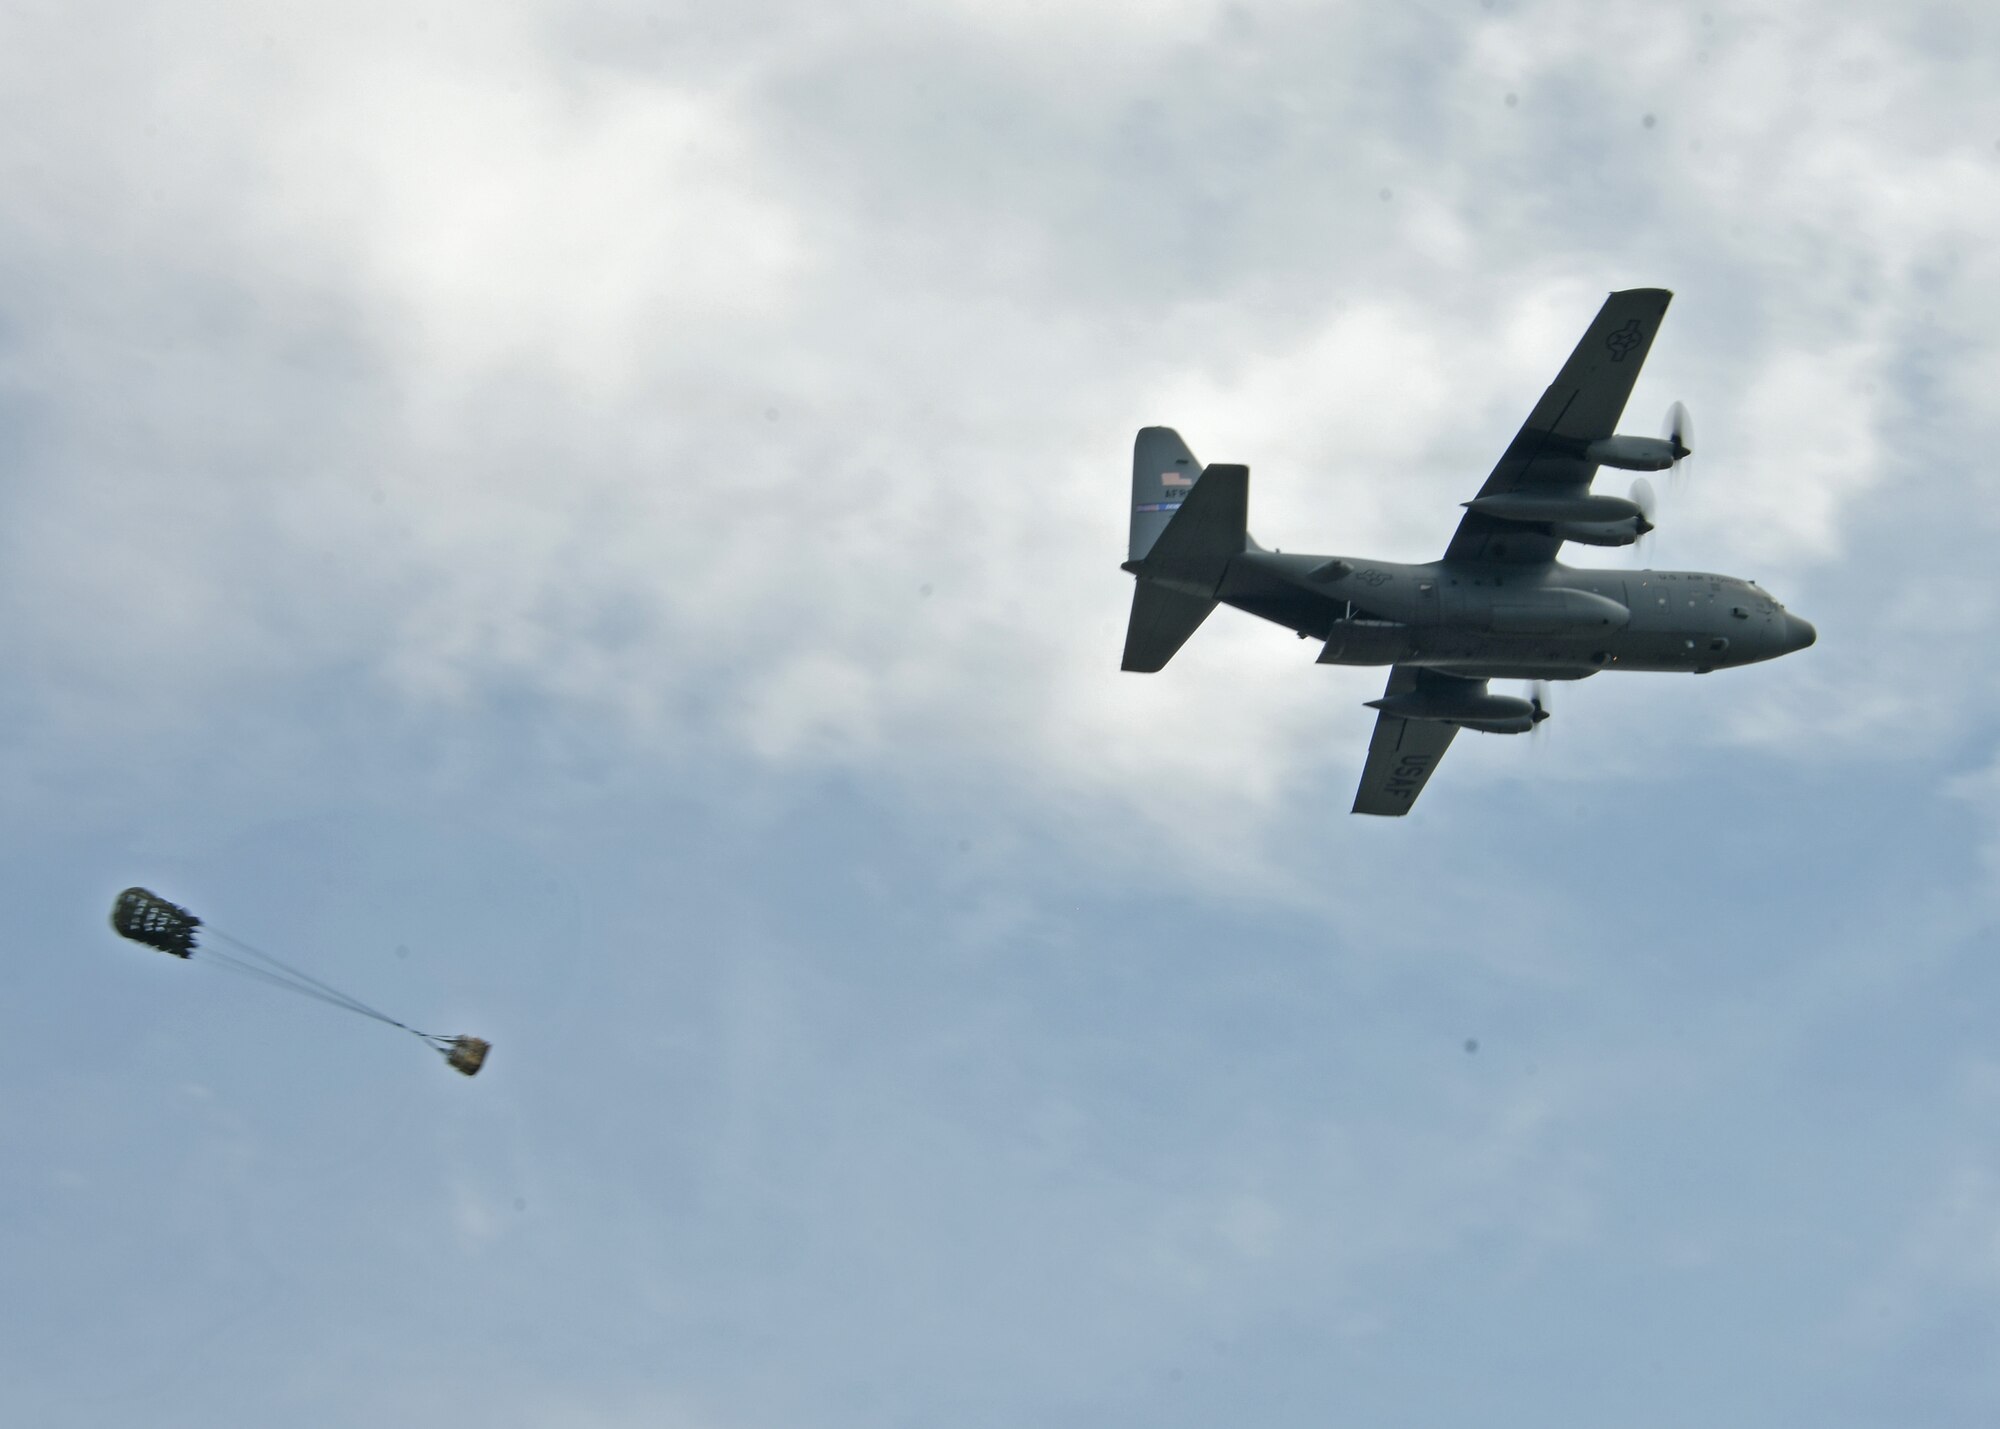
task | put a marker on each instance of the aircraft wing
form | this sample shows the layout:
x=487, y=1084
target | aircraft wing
x=1581, y=406
x=1401, y=755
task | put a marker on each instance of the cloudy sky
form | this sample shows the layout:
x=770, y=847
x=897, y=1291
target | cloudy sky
x=597, y=525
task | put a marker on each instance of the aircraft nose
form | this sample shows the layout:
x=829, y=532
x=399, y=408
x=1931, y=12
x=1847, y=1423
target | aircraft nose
x=1798, y=633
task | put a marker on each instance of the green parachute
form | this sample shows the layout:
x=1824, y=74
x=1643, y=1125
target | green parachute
x=147, y=918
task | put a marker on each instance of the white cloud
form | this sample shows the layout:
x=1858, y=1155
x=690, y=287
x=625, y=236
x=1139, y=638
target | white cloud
x=565, y=226
x=582, y=289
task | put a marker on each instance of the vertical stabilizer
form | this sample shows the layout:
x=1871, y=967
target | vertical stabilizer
x=1185, y=562
x=1163, y=472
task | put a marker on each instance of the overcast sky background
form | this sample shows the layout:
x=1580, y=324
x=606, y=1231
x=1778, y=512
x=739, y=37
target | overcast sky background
x=598, y=526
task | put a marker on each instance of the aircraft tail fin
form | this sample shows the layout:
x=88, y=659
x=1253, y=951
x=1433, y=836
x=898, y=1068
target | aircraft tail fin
x=1184, y=562
x=1163, y=473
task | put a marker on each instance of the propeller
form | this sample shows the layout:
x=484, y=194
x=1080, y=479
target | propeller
x=1648, y=502
x=1679, y=434
x=1646, y=499
x=1538, y=696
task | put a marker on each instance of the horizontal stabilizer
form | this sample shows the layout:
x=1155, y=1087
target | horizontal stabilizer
x=1162, y=620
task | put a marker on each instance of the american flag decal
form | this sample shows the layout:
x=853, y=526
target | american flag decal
x=1176, y=480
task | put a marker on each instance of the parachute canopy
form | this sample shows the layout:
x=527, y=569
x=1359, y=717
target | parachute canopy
x=147, y=918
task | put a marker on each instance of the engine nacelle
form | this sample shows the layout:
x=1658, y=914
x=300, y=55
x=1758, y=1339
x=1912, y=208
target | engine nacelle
x=1589, y=519
x=1540, y=510
x=1472, y=707
x=1633, y=453
x=1602, y=533
x=1520, y=724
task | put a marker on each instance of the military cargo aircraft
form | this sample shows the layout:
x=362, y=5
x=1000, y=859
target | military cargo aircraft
x=1497, y=606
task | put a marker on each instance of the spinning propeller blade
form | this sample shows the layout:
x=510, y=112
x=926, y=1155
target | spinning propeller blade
x=1679, y=434
x=1648, y=502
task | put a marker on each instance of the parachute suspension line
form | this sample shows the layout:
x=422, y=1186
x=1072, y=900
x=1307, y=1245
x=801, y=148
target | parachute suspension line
x=249, y=969
x=278, y=978
x=279, y=971
x=464, y=1054
x=246, y=968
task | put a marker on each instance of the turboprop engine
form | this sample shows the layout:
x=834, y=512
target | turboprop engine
x=1634, y=453
x=1675, y=442
x=1470, y=708
x=1593, y=520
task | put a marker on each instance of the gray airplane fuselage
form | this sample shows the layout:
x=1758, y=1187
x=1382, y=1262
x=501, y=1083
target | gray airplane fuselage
x=1497, y=605
x=1501, y=621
